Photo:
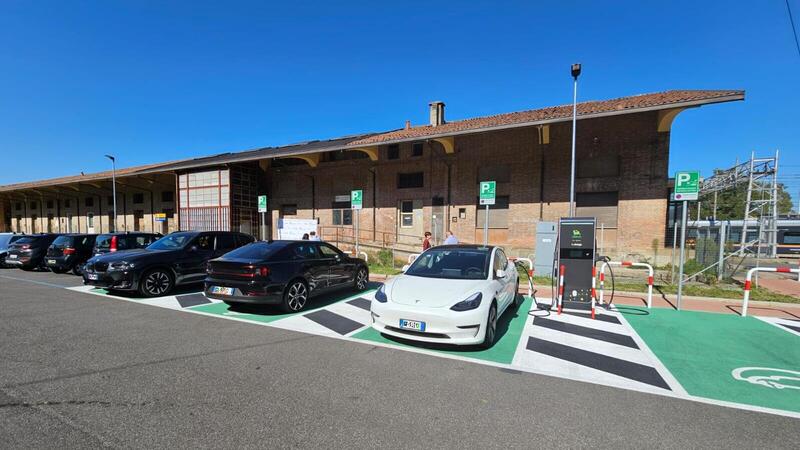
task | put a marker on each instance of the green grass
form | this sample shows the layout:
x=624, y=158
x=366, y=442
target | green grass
x=383, y=270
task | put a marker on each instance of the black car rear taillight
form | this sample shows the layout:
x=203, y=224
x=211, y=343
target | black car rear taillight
x=262, y=271
x=69, y=251
x=113, y=243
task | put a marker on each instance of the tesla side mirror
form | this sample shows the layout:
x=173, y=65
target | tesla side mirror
x=405, y=268
x=499, y=273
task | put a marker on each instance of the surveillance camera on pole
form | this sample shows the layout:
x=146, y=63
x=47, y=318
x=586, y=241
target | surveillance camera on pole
x=576, y=71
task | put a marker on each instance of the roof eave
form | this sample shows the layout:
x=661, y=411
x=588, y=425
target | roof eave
x=687, y=104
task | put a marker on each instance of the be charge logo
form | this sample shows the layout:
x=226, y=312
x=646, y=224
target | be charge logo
x=768, y=377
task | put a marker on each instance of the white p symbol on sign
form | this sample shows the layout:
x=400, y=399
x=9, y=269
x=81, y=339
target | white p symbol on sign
x=683, y=178
x=485, y=187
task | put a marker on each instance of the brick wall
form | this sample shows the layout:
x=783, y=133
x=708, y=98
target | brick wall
x=538, y=187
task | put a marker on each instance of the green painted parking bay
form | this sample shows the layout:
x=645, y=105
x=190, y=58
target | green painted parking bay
x=269, y=314
x=725, y=357
x=509, y=332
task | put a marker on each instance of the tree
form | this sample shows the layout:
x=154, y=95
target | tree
x=730, y=203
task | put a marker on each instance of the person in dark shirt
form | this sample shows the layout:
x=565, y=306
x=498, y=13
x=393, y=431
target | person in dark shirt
x=426, y=241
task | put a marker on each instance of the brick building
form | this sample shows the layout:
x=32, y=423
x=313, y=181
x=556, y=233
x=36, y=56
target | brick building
x=414, y=179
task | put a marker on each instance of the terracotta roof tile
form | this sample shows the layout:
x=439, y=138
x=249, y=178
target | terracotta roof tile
x=552, y=113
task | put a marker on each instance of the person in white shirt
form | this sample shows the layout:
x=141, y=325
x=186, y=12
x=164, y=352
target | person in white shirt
x=451, y=238
x=313, y=236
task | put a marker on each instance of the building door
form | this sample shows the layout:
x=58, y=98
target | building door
x=34, y=227
x=49, y=223
x=69, y=223
x=138, y=220
x=437, y=220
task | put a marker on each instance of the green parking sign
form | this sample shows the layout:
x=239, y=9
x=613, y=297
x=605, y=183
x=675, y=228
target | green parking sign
x=687, y=185
x=262, y=203
x=357, y=199
x=486, y=192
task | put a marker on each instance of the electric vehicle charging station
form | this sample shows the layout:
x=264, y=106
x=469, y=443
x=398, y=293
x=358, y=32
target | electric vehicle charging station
x=575, y=263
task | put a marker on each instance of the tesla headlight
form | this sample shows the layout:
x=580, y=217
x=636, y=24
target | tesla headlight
x=472, y=302
x=380, y=296
x=121, y=265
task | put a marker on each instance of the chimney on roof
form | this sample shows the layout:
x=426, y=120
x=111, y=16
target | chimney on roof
x=436, y=113
x=408, y=124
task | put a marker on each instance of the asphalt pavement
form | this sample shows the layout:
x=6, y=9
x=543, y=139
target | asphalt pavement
x=79, y=370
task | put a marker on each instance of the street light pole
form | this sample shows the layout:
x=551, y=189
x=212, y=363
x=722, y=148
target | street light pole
x=114, y=188
x=576, y=70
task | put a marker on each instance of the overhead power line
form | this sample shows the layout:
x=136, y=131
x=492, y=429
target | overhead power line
x=794, y=30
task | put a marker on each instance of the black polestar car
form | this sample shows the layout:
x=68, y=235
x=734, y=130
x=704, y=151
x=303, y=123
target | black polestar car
x=284, y=273
x=176, y=259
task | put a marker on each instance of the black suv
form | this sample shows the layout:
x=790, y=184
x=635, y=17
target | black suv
x=112, y=242
x=176, y=259
x=7, y=239
x=28, y=252
x=69, y=252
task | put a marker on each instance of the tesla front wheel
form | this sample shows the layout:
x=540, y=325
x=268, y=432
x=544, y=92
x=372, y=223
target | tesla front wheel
x=295, y=296
x=361, y=279
x=491, y=328
x=155, y=283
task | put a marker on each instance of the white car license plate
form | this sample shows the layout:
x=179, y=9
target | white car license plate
x=92, y=276
x=51, y=261
x=12, y=256
x=414, y=325
x=221, y=290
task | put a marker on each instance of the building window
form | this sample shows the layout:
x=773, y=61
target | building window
x=167, y=196
x=138, y=199
x=289, y=210
x=598, y=166
x=410, y=180
x=498, y=213
x=406, y=214
x=602, y=205
x=342, y=214
x=90, y=220
x=416, y=149
x=393, y=152
x=18, y=206
x=88, y=202
x=110, y=200
x=49, y=204
x=500, y=173
x=33, y=205
x=67, y=203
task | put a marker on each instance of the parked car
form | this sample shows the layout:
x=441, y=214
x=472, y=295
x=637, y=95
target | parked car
x=69, y=252
x=451, y=294
x=28, y=252
x=7, y=239
x=112, y=242
x=284, y=273
x=176, y=259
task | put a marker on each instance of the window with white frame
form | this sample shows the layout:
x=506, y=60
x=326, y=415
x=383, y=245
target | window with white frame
x=406, y=214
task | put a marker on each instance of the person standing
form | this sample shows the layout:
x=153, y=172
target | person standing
x=313, y=236
x=451, y=238
x=426, y=241
x=305, y=236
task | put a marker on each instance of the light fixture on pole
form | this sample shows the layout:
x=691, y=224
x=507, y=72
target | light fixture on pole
x=114, y=189
x=576, y=71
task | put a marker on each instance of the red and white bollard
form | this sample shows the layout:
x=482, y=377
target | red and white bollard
x=561, y=271
x=749, y=278
x=594, y=291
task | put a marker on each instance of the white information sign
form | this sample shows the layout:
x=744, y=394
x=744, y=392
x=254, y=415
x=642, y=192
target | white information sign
x=294, y=229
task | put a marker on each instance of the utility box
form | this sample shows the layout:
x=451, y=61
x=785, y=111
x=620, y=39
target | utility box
x=546, y=237
x=576, y=258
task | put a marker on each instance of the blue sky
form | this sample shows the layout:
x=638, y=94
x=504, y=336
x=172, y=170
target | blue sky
x=155, y=81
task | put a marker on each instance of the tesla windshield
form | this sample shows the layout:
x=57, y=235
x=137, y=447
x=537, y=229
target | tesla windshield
x=173, y=241
x=456, y=264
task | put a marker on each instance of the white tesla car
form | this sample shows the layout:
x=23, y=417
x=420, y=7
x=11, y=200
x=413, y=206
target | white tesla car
x=451, y=294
